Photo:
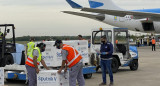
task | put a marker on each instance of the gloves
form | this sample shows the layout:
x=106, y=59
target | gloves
x=103, y=53
x=97, y=54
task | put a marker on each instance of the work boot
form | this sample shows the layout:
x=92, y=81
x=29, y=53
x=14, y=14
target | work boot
x=102, y=84
x=111, y=84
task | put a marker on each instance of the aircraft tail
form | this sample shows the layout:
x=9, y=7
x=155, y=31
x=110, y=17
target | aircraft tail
x=104, y=4
x=73, y=4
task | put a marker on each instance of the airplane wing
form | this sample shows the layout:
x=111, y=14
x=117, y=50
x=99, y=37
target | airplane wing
x=123, y=13
x=91, y=16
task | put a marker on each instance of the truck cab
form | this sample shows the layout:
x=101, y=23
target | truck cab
x=7, y=46
x=123, y=55
x=10, y=51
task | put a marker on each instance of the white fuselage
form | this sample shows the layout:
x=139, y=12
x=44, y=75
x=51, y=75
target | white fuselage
x=130, y=23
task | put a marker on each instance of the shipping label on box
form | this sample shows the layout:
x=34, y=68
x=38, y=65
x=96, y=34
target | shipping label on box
x=1, y=76
x=52, y=78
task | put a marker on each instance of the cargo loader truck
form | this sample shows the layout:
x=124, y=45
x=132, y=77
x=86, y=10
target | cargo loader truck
x=124, y=55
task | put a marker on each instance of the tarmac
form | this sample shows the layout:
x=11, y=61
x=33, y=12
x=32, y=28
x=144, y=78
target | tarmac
x=148, y=73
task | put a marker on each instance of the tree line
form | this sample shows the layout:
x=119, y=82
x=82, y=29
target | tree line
x=40, y=38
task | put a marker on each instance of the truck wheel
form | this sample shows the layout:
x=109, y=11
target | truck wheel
x=88, y=76
x=114, y=65
x=7, y=60
x=23, y=59
x=134, y=65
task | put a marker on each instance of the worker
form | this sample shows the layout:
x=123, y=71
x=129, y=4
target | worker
x=89, y=43
x=72, y=59
x=116, y=41
x=32, y=63
x=159, y=41
x=138, y=42
x=153, y=44
x=1, y=35
x=106, y=51
x=30, y=46
x=150, y=41
x=80, y=37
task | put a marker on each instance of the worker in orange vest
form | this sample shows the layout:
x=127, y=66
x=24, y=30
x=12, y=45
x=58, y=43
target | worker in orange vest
x=72, y=59
x=116, y=41
x=153, y=44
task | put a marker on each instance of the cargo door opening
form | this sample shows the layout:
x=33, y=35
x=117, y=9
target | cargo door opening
x=148, y=26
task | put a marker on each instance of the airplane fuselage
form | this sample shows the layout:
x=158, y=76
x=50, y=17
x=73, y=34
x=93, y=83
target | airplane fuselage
x=143, y=20
x=141, y=25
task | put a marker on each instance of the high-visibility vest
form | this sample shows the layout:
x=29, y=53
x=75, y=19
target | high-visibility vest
x=30, y=46
x=153, y=41
x=29, y=61
x=73, y=56
x=116, y=41
x=1, y=35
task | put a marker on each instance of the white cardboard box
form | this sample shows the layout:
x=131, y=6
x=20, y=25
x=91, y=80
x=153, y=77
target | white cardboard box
x=52, y=78
x=1, y=76
x=53, y=58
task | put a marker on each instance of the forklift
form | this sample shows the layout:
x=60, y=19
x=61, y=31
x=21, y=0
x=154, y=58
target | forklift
x=123, y=54
x=7, y=46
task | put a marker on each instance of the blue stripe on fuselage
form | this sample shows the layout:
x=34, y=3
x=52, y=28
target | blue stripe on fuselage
x=157, y=10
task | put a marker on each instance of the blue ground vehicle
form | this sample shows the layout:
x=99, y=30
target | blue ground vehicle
x=124, y=55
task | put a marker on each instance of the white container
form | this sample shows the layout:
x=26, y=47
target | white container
x=52, y=78
x=53, y=58
x=1, y=76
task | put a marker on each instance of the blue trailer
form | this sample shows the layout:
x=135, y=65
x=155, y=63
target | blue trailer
x=18, y=72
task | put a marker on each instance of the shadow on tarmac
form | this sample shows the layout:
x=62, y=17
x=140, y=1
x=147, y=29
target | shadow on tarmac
x=119, y=71
x=15, y=82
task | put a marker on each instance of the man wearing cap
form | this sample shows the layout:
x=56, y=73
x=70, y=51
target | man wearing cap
x=32, y=63
x=72, y=59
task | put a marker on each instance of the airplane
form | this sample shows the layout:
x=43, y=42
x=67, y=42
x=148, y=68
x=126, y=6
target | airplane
x=106, y=11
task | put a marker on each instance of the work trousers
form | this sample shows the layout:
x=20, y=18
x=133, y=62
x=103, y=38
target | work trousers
x=76, y=73
x=32, y=76
x=106, y=65
x=138, y=43
x=153, y=47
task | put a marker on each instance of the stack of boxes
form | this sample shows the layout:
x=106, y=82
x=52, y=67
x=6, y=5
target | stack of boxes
x=53, y=58
x=1, y=76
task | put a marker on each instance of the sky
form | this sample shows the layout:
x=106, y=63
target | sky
x=44, y=17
